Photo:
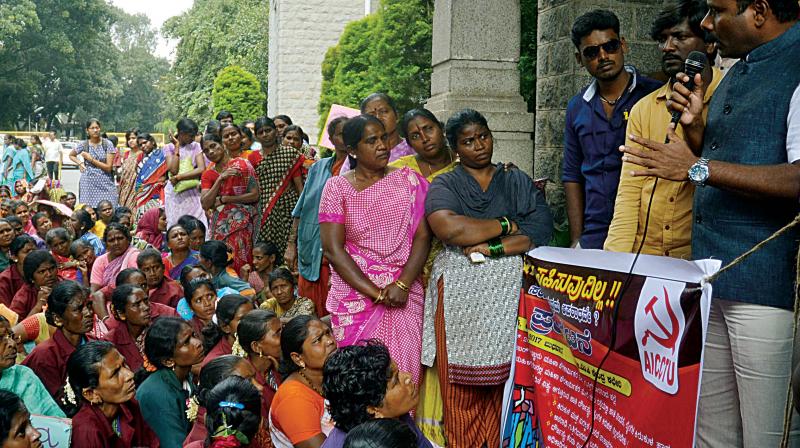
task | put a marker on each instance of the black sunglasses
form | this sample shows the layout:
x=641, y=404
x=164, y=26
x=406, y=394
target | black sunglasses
x=610, y=47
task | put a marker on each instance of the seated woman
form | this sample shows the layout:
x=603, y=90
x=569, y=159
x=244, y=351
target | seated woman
x=152, y=226
x=135, y=277
x=259, y=335
x=16, y=429
x=58, y=241
x=42, y=224
x=219, y=335
x=121, y=255
x=265, y=259
x=361, y=383
x=180, y=254
x=20, y=379
x=214, y=257
x=130, y=306
x=7, y=235
x=162, y=290
x=108, y=416
x=39, y=273
x=212, y=374
x=298, y=417
x=70, y=312
x=381, y=433
x=284, y=302
x=83, y=253
x=171, y=349
x=196, y=229
x=374, y=234
x=11, y=278
x=479, y=208
x=81, y=223
x=103, y=214
x=202, y=303
x=235, y=415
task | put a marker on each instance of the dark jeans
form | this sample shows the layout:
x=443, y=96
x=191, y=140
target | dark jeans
x=52, y=170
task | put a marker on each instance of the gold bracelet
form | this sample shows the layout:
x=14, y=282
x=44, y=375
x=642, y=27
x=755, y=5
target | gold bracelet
x=402, y=285
x=380, y=297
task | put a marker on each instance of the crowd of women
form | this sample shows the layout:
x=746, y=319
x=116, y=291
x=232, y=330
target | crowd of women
x=234, y=289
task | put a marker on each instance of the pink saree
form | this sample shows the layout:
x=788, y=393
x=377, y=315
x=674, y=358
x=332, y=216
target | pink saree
x=380, y=223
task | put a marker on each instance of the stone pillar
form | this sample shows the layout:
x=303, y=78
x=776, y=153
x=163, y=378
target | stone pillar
x=300, y=32
x=475, y=54
x=559, y=77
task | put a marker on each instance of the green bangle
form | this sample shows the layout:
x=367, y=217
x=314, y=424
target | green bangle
x=504, y=225
x=496, y=248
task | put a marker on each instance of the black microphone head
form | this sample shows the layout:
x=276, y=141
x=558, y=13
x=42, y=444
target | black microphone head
x=695, y=63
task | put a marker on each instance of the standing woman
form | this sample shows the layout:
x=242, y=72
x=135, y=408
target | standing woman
x=108, y=415
x=97, y=180
x=373, y=230
x=471, y=309
x=232, y=137
x=382, y=107
x=128, y=171
x=186, y=164
x=279, y=170
x=18, y=163
x=303, y=248
x=152, y=175
x=229, y=189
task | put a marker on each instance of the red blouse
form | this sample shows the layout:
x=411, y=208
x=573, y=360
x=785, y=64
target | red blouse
x=169, y=293
x=91, y=429
x=10, y=282
x=222, y=348
x=126, y=346
x=156, y=309
x=48, y=361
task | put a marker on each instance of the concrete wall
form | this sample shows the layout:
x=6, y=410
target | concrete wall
x=300, y=34
x=559, y=76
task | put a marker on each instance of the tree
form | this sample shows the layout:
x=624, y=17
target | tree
x=239, y=92
x=527, y=53
x=214, y=34
x=387, y=51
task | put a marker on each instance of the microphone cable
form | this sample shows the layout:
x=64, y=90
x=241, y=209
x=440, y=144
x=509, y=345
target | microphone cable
x=614, y=318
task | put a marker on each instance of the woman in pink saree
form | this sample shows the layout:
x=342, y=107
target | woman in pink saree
x=375, y=235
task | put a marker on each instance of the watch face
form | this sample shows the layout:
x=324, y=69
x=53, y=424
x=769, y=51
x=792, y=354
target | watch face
x=698, y=173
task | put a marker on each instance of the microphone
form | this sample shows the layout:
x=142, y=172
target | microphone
x=695, y=63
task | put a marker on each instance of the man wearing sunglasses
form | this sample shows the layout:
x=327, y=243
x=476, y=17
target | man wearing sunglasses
x=669, y=230
x=745, y=161
x=595, y=126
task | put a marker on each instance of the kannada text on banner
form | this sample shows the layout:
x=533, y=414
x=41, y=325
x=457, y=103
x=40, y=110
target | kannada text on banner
x=647, y=389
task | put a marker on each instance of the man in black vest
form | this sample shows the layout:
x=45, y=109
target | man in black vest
x=746, y=164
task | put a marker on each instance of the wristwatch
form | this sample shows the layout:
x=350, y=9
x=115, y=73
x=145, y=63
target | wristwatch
x=698, y=173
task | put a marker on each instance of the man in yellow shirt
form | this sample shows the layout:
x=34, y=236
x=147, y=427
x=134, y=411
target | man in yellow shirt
x=669, y=232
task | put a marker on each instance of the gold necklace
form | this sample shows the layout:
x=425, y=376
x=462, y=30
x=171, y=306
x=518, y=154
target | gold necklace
x=430, y=167
x=310, y=384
